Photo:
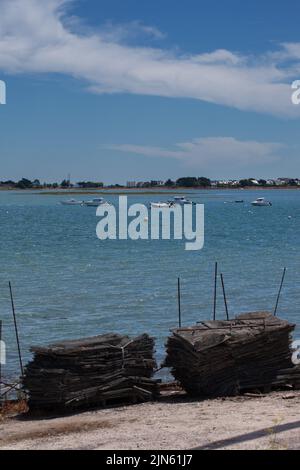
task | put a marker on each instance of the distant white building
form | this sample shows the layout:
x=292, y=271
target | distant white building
x=131, y=184
x=280, y=181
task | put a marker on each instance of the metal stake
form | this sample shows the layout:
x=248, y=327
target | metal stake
x=215, y=291
x=16, y=328
x=224, y=295
x=179, y=302
x=279, y=292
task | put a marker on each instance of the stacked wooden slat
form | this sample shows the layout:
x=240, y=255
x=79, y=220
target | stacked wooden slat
x=289, y=376
x=90, y=372
x=223, y=358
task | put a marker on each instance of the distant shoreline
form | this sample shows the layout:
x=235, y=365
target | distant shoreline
x=124, y=190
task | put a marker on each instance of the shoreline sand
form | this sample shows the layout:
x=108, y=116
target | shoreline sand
x=175, y=422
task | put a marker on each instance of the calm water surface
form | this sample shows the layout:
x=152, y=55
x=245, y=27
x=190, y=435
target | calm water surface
x=69, y=284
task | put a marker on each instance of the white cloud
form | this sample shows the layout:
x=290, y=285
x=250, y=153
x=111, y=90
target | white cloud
x=41, y=37
x=126, y=32
x=292, y=50
x=207, y=152
x=220, y=56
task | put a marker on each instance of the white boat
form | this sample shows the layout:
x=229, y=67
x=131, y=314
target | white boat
x=71, y=202
x=96, y=202
x=160, y=205
x=261, y=201
x=177, y=200
x=181, y=200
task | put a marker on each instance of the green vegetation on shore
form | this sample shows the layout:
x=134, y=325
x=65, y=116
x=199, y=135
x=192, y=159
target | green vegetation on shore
x=190, y=182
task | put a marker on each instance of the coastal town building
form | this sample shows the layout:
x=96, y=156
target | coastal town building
x=131, y=184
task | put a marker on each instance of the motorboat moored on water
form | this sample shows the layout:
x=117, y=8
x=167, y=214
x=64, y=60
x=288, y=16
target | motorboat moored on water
x=181, y=200
x=160, y=205
x=261, y=201
x=71, y=202
x=96, y=202
x=177, y=200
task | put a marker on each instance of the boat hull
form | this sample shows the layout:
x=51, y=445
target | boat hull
x=261, y=204
x=93, y=204
x=66, y=203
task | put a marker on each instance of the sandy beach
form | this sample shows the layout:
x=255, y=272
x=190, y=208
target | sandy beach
x=175, y=422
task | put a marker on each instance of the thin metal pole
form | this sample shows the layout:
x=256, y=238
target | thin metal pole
x=279, y=292
x=16, y=328
x=179, y=302
x=224, y=295
x=215, y=291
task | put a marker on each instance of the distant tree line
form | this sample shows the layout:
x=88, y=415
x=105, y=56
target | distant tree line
x=185, y=182
x=89, y=184
x=25, y=183
x=191, y=182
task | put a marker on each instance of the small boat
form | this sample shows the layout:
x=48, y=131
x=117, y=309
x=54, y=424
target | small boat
x=239, y=201
x=160, y=205
x=181, y=200
x=96, y=202
x=71, y=202
x=261, y=201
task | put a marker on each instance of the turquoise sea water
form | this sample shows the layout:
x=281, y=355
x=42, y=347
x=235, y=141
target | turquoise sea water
x=69, y=284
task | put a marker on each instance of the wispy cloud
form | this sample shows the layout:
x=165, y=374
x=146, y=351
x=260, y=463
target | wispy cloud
x=127, y=32
x=41, y=37
x=207, y=152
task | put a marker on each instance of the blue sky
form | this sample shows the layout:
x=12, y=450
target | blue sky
x=115, y=90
